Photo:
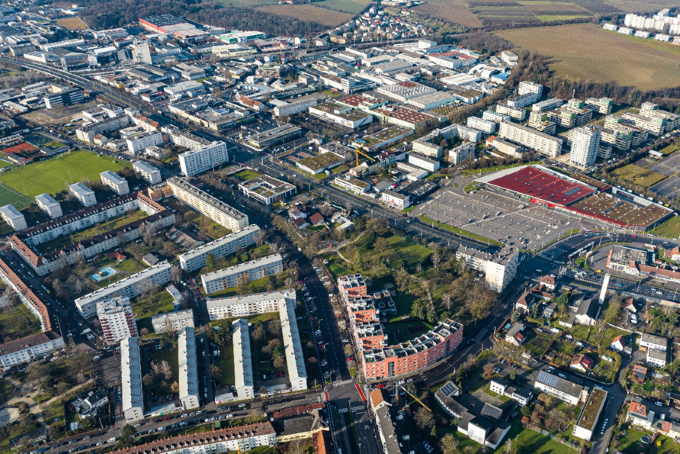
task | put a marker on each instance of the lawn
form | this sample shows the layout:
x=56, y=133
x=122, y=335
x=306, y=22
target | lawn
x=9, y=196
x=664, y=445
x=669, y=229
x=672, y=148
x=246, y=175
x=532, y=442
x=52, y=176
x=226, y=365
x=18, y=322
x=630, y=444
x=461, y=232
x=145, y=308
x=6, y=391
x=488, y=392
x=257, y=286
x=610, y=334
x=647, y=65
x=638, y=175
x=406, y=330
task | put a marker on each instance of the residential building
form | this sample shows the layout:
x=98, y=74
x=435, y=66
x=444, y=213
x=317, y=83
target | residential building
x=517, y=113
x=395, y=199
x=49, y=205
x=147, y=171
x=639, y=416
x=64, y=98
x=548, y=104
x=389, y=438
x=504, y=387
x=536, y=140
x=116, y=319
x=222, y=247
x=654, y=124
x=243, y=362
x=582, y=363
x=204, y=158
x=600, y=105
x=431, y=165
x=526, y=87
x=499, y=268
x=618, y=344
x=188, y=370
x=255, y=269
x=267, y=190
x=584, y=147
x=118, y=184
x=515, y=334
x=462, y=152
x=83, y=194
x=174, y=321
x=30, y=348
x=204, y=203
x=13, y=217
x=656, y=357
x=130, y=287
x=653, y=342
x=558, y=387
x=590, y=414
x=486, y=126
x=132, y=399
x=239, y=438
x=352, y=286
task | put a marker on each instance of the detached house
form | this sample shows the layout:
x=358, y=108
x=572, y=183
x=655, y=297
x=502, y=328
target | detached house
x=618, y=344
x=515, y=334
x=582, y=363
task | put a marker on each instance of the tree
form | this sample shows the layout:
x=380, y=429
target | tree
x=279, y=362
x=525, y=410
x=488, y=371
x=275, y=327
x=511, y=447
x=175, y=274
x=424, y=419
x=174, y=387
x=348, y=350
x=210, y=262
x=215, y=370
x=263, y=390
x=242, y=284
x=411, y=387
x=381, y=245
x=259, y=333
x=450, y=445
x=127, y=437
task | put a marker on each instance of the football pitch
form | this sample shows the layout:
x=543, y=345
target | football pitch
x=8, y=196
x=53, y=175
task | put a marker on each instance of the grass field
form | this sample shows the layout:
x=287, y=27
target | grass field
x=72, y=23
x=344, y=6
x=453, y=11
x=51, y=176
x=18, y=322
x=531, y=442
x=670, y=149
x=246, y=175
x=9, y=196
x=145, y=308
x=638, y=175
x=669, y=229
x=309, y=12
x=644, y=67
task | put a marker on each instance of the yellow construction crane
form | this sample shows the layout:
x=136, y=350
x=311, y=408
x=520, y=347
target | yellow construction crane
x=357, y=152
x=414, y=397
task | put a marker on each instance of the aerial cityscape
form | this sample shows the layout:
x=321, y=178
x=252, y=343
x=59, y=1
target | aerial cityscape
x=340, y=227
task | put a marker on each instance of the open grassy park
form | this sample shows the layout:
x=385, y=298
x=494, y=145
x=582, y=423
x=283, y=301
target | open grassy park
x=669, y=229
x=637, y=175
x=648, y=65
x=53, y=175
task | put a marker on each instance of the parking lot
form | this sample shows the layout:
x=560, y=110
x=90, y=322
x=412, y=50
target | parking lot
x=500, y=218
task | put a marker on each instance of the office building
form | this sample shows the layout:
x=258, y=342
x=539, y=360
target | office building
x=131, y=286
x=116, y=319
x=267, y=190
x=585, y=143
x=118, y=184
x=208, y=205
x=531, y=138
x=418, y=160
x=132, y=400
x=173, y=321
x=255, y=269
x=222, y=247
x=147, y=171
x=64, y=98
x=188, y=370
x=203, y=158
x=49, y=205
x=13, y=217
x=83, y=194
x=565, y=390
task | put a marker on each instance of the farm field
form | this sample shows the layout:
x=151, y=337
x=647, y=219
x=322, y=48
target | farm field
x=51, y=176
x=638, y=175
x=453, y=11
x=72, y=23
x=645, y=67
x=344, y=6
x=309, y=12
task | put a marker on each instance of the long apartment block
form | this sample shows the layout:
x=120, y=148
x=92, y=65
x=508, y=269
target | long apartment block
x=188, y=369
x=130, y=287
x=254, y=269
x=222, y=247
x=243, y=360
x=531, y=138
x=132, y=400
x=208, y=205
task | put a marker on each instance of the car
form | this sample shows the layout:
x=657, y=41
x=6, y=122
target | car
x=241, y=405
x=658, y=404
x=184, y=415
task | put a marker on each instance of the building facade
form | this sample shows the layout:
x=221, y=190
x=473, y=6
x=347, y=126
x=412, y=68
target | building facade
x=254, y=269
x=116, y=319
x=132, y=399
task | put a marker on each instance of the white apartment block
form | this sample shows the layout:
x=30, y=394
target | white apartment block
x=132, y=402
x=653, y=342
x=222, y=247
x=254, y=269
x=13, y=217
x=585, y=143
x=208, y=205
x=139, y=142
x=83, y=194
x=172, y=320
x=203, y=158
x=147, y=171
x=284, y=303
x=28, y=349
x=499, y=268
x=431, y=165
x=486, y=126
x=130, y=287
x=49, y=205
x=655, y=125
x=86, y=133
x=526, y=87
x=243, y=361
x=188, y=370
x=118, y=184
x=531, y=138
x=116, y=319
x=656, y=358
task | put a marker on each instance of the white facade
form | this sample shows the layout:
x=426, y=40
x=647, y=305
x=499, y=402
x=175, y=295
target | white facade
x=132, y=401
x=486, y=126
x=203, y=158
x=254, y=269
x=130, y=287
x=13, y=217
x=118, y=184
x=395, y=200
x=147, y=171
x=175, y=320
x=531, y=138
x=564, y=390
x=654, y=342
x=29, y=349
x=116, y=319
x=188, y=371
x=585, y=144
x=243, y=362
x=431, y=165
x=140, y=142
x=656, y=357
x=84, y=194
x=227, y=245
x=49, y=205
x=526, y=87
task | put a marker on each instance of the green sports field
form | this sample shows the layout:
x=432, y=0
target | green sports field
x=51, y=176
x=8, y=196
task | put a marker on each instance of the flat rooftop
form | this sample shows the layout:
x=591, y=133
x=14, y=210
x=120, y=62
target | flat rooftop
x=619, y=211
x=321, y=161
x=592, y=409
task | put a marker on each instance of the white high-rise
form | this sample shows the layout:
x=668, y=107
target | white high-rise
x=117, y=319
x=585, y=142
